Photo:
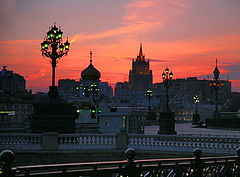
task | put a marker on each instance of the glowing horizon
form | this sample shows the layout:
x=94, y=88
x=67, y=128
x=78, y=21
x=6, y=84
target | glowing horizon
x=185, y=35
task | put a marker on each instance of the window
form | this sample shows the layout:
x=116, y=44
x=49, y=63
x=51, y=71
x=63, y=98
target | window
x=107, y=123
x=124, y=121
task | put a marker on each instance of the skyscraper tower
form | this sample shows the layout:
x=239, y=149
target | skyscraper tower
x=140, y=77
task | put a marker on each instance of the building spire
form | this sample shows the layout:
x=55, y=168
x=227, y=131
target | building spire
x=140, y=56
x=216, y=71
x=90, y=57
x=140, y=47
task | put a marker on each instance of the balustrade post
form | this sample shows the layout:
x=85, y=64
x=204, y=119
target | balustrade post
x=131, y=169
x=50, y=141
x=6, y=158
x=121, y=140
x=198, y=166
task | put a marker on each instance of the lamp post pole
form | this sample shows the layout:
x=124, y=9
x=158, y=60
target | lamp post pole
x=216, y=84
x=53, y=47
x=196, y=101
x=149, y=94
x=167, y=77
x=167, y=117
x=94, y=90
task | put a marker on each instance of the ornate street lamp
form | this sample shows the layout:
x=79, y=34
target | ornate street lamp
x=53, y=47
x=167, y=77
x=216, y=84
x=196, y=101
x=149, y=94
x=167, y=117
x=94, y=90
x=196, y=116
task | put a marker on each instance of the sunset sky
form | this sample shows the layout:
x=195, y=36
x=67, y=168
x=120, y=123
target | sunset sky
x=185, y=35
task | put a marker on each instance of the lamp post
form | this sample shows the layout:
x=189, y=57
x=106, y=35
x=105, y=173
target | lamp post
x=167, y=118
x=149, y=95
x=196, y=116
x=196, y=101
x=167, y=77
x=216, y=84
x=94, y=90
x=53, y=47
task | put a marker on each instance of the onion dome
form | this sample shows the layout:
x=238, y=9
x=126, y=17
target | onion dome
x=90, y=73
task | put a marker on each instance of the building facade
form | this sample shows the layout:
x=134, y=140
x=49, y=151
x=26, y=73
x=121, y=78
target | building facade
x=140, y=77
x=68, y=87
x=105, y=89
x=11, y=83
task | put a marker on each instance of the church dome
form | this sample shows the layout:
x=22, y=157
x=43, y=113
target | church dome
x=90, y=73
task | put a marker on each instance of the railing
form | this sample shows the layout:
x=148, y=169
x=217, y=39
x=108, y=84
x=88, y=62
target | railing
x=87, y=141
x=12, y=125
x=174, y=143
x=197, y=166
x=20, y=141
x=229, y=115
x=216, y=145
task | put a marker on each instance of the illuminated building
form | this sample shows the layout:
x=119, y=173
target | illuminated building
x=140, y=77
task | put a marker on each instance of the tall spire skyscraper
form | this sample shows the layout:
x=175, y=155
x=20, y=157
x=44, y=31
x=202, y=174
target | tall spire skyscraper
x=140, y=77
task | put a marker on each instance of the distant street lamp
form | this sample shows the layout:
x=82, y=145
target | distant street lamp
x=94, y=90
x=196, y=101
x=216, y=84
x=149, y=94
x=167, y=77
x=54, y=48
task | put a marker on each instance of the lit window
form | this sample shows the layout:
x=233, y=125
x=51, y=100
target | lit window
x=124, y=121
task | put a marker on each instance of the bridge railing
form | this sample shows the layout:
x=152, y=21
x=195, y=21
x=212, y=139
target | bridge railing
x=20, y=141
x=196, y=166
x=176, y=143
x=87, y=141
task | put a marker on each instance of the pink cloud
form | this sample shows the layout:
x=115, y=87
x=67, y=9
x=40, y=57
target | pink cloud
x=140, y=16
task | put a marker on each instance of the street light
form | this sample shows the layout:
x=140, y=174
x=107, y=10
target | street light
x=196, y=101
x=94, y=90
x=53, y=47
x=216, y=84
x=149, y=94
x=167, y=77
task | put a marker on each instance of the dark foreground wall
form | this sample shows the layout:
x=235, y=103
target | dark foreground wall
x=44, y=157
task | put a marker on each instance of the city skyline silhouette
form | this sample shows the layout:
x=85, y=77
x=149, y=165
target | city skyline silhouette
x=187, y=36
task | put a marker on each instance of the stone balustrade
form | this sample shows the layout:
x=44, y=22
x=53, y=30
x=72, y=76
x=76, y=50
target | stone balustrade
x=169, y=143
x=176, y=143
x=20, y=141
x=87, y=141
